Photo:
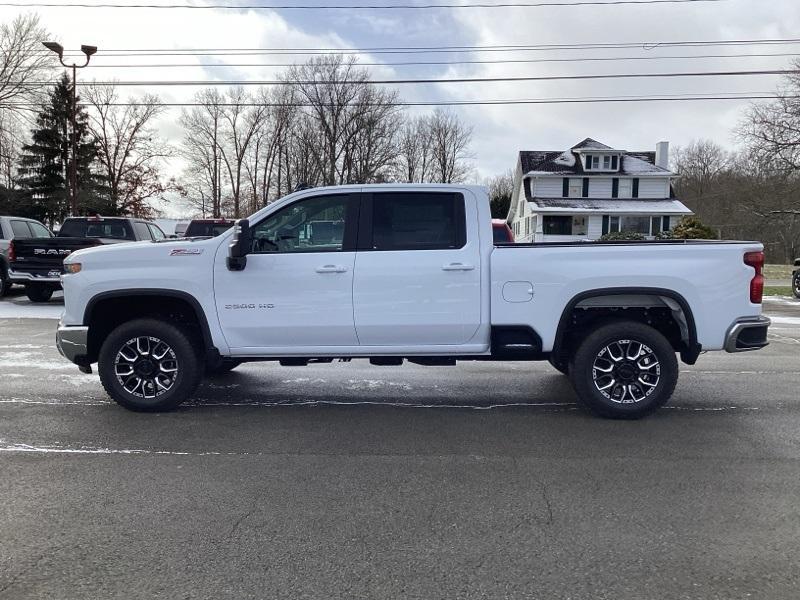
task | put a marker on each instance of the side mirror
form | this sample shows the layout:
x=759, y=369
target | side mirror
x=240, y=247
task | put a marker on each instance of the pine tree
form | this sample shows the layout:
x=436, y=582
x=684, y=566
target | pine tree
x=45, y=162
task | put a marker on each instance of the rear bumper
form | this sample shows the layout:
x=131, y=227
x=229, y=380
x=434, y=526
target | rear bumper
x=20, y=277
x=747, y=334
x=71, y=342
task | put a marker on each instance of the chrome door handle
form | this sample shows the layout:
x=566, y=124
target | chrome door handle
x=458, y=267
x=332, y=269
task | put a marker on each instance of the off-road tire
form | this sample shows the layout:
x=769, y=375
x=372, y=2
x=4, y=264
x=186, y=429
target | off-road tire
x=187, y=361
x=5, y=282
x=796, y=284
x=636, y=377
x=38, y=293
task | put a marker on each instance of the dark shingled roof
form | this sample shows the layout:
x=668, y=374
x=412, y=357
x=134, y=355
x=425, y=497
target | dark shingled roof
x=545, y=161
x=590, y=144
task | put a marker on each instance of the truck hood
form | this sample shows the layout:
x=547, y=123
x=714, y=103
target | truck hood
x=147, y=250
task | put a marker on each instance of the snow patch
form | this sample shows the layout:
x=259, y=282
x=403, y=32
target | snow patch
x=567, y=159
x=12, y=310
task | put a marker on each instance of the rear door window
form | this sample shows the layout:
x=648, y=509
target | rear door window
x=142, y=231
x=156, y=232
x=418, y=221
x=39, y=230
x=20, y=229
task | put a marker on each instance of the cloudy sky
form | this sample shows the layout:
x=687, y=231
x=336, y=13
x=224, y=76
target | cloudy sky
x=499, y=131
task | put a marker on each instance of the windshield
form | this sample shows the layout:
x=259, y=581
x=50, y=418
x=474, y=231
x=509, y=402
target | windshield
x=117, y=229
x=207, y=229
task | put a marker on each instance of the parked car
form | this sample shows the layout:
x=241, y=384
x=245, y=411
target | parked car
x=501, y=232
x=412, y=275
x=37, y=263
x=15, y=228
x=796, y=279
x=207, y=227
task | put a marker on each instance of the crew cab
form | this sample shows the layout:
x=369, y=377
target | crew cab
x=37, y=263
x=408, y=272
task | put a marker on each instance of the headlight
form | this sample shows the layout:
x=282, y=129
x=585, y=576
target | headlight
x=72, y=268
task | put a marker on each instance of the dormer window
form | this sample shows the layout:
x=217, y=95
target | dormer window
x=602, y=162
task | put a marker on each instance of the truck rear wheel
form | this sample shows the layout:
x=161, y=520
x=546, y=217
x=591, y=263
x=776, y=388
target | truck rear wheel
x=624, y=370
x=38, y=293
x=149, y=365
x=5, y=282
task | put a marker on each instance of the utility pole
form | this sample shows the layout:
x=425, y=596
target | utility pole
x=72, y=186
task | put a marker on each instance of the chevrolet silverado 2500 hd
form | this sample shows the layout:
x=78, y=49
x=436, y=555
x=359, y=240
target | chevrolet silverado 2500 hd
x=405, y=272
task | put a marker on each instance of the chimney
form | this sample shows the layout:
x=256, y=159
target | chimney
x=662, y=155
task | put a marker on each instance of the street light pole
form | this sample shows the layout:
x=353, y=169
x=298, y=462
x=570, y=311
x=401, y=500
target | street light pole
x=88, y=51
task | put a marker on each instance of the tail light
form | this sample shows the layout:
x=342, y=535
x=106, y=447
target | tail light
x=756, y=260
x=12, y=255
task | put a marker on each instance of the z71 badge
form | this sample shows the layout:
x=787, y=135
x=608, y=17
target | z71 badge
x=186, y=251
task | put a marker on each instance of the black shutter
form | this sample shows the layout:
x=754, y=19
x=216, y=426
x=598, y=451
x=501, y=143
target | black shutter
x=585, y=187
x=615, y=187
x=614, y=163
x=605, y=224
x=635, y=193
x=665, y=224
x=565, y=188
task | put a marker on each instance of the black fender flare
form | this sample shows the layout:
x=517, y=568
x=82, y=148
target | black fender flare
x=181, y=295
x=688, y=355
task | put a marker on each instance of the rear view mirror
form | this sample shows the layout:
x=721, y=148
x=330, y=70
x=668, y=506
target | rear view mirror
x=240, y=246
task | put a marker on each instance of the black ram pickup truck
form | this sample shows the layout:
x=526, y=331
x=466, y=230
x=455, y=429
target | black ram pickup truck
x=37, y=263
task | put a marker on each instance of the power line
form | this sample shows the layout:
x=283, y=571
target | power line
x=279, y=82
x=355, y=6
x=647, y=46
x=453, y=62
x=502, y=102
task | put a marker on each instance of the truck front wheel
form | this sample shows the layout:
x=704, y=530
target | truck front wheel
x=149, y=365
x=624, y=370
x=796, y=284
x=38, y=293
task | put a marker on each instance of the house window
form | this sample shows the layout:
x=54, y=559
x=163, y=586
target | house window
x=635, y=224
x=575, y=188
x=552, y=225
x=625, y=188
x=606, y=162
x=579, y=225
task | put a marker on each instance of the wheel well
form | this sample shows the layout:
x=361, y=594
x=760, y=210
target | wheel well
x=662, y=310
x=104, y=314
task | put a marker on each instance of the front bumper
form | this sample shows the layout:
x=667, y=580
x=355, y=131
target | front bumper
x=22, y=278
x=747, y=334
x=72, y=343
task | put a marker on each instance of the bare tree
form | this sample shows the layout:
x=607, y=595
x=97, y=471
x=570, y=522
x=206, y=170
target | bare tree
x=771, y=130
x=414, y=149
x=129, y=149
x=242, y=120
x=202, y=127
x=349, y=116
x=22, y=61
x=450, y=140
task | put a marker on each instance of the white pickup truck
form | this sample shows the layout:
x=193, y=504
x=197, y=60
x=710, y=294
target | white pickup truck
x=405, y=272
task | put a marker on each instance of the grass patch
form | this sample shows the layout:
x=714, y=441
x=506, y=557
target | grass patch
x=777, y=290
x=778, y=271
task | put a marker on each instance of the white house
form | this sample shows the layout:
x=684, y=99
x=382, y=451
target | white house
x=590, y=190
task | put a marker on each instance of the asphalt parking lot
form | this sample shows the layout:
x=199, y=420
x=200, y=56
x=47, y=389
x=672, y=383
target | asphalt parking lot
x=355, y=481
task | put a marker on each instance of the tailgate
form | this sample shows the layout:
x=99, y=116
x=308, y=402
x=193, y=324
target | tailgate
x=44, y=257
